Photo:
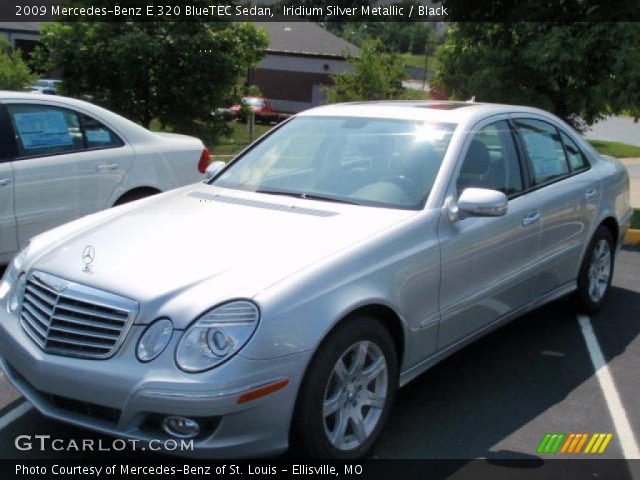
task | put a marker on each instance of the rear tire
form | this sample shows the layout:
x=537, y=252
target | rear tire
x=596, y=272
x=347, y=392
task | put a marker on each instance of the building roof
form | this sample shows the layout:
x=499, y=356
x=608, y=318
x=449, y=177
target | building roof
x=27, y=27
x=305, y=38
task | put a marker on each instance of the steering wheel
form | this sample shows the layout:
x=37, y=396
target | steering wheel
x=410, y=187
x=355, y=178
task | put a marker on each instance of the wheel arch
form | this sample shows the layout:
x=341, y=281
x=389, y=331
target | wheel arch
x=607, y=220
x=612, y=224
x=135, y=193
x=389, y=318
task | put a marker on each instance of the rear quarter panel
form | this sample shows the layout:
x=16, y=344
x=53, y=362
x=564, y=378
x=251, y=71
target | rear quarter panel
x=615, y=193
x=163, y=164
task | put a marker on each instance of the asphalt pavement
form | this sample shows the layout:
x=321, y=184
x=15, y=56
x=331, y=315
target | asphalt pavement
x=495, y=399
x=615, y=129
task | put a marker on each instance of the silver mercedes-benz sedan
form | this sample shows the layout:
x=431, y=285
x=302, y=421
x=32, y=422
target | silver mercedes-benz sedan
x=286, y=298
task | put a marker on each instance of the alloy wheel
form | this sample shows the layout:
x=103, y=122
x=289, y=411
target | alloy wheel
x=355, y=395
x=599, y=270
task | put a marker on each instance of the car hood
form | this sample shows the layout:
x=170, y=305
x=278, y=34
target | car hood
x=217, y=242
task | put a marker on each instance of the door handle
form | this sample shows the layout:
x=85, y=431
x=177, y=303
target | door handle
x=590, y=194
x=111, y=166
x=4, y=181
x=531, y=217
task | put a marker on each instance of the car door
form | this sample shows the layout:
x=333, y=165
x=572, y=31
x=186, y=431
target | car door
x=67, y=165
x=488, y=263
x=569, y=192
x=8, y=235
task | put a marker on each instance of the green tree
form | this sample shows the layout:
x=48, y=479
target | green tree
x=14, y=72
x=377, y=75
x=420, y=35
x=176, y=72
x=576, y=70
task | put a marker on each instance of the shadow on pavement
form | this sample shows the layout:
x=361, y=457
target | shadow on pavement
x=466, y=405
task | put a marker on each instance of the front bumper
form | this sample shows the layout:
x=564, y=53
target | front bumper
x=120, y=395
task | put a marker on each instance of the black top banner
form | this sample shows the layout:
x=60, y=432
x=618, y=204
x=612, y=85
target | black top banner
x=321, y=10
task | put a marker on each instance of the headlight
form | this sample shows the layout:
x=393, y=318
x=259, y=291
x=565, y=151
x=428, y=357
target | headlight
x=11, y=274
x=154, y=339
x=217, y=336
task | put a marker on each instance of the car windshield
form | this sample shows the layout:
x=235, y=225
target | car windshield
x=254, y=102
x=42, y=83
x=365, y=161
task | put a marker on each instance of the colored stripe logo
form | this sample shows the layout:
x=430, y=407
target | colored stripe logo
x=574, y=443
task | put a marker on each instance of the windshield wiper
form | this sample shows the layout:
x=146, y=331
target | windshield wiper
x=306, y=196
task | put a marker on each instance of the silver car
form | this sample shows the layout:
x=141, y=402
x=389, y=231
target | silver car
x=287, y=297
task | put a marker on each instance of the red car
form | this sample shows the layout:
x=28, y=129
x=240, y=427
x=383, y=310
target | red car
x=264, y=112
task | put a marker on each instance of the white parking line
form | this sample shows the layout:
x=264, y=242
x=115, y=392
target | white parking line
x=617, y=411
x=14, y=414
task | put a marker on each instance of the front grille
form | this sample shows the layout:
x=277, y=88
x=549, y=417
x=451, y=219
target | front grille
x=67, y=318
x=86, y=409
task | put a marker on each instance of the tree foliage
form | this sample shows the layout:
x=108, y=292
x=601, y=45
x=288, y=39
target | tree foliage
x=377, y=75
x=401, y=37
x=576, y=70
x=14, y=72
x=176, y=72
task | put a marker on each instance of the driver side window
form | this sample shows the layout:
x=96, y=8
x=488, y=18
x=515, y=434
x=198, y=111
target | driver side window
x=491, y=161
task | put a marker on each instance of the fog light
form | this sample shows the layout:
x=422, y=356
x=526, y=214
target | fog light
x=180, y=427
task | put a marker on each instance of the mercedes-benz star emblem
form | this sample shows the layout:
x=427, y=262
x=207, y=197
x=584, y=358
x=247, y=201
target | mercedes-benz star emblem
x=88, y=255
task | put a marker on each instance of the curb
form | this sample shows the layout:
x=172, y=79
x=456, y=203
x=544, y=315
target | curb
x=632, y=237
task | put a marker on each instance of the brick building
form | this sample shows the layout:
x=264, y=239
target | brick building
x=301, y=57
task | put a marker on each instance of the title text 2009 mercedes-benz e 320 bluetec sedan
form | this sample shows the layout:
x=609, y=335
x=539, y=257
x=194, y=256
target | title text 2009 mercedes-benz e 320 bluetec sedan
x=334, y=260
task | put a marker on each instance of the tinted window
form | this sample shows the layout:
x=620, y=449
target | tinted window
x=45, y=130
x=98, y=136
x=545, y=150
x=492, y=161
x=577, y=159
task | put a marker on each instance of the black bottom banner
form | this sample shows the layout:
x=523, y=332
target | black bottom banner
x=295, y=469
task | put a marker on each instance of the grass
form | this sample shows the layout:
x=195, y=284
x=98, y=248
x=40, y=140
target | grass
x=417, y=61
x=635, y=219
x=615, y=149
x=228, y=147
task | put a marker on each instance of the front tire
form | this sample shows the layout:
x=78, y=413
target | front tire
x=596, y=272
x=347, y=392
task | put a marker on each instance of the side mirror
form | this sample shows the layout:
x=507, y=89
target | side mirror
x=477, y=202
x=213, y=169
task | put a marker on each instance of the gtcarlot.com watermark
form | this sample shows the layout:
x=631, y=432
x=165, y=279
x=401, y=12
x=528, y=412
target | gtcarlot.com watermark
x=48, y=443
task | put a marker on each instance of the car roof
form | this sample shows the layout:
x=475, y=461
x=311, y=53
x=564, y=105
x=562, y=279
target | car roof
x=425, y=110
x=134, y=131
